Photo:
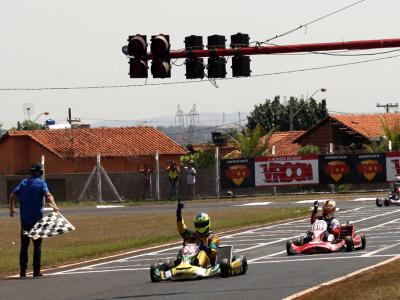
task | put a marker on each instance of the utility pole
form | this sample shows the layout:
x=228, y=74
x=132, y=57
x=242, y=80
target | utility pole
x=388, y=106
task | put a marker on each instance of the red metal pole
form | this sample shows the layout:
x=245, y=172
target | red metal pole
x=351, y=45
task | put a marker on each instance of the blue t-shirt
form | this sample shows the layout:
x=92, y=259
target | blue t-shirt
x=30, y=192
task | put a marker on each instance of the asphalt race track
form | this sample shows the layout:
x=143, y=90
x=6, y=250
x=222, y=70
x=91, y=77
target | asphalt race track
x=271, y=275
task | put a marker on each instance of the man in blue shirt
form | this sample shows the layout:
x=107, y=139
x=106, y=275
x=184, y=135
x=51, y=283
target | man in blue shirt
x=30, y=192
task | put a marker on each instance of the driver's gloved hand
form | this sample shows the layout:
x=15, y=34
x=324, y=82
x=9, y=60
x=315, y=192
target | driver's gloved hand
x=205, y=248
x=179, y=211
x=316, y=204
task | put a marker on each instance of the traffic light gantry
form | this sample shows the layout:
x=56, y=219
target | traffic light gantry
x=216, y=51
x=160, y=47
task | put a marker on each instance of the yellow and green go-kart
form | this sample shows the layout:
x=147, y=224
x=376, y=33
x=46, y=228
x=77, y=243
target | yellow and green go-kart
x=185, y=268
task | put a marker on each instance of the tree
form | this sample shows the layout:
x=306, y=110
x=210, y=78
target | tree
x=391, y=133
x=28, y=125
x=309, y=149
x=250, y=142
x=203, y=160
x=274, y=114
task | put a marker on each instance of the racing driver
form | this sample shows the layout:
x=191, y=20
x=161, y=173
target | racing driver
x=210, y=241
x=328, y=214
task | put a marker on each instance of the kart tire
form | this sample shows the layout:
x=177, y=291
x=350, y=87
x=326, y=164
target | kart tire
x=349, y=243
x=244, y=265
x=363, y=241
x=378, y=202
x=167, y=265
x=299, y=241
x=386, y=202
x=153, y=268
x=225, y=267
x=289, y=248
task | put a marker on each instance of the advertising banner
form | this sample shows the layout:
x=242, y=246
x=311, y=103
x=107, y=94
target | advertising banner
x=356, y=168
x=369, y=168
x=335, y=168
x=286, y=170
x=392, y=165
x=237, y=173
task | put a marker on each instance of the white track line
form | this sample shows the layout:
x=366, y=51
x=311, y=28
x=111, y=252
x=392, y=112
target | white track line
x=328, y=283
x=254, y=204
x=380, y=250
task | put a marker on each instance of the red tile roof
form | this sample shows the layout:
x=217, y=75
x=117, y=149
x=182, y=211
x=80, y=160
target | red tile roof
x=110, y=142
x=283, y=142
x=368, y=125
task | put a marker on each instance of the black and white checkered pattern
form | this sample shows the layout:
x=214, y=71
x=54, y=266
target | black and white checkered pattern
x=50, y=225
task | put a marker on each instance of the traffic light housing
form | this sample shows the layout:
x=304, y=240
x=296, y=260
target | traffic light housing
x=216, y=65
x=194, y=65
x=240, y=63
x=137, y=50
x=161, y=63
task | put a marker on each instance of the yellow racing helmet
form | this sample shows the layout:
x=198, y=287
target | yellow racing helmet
x=202, y=223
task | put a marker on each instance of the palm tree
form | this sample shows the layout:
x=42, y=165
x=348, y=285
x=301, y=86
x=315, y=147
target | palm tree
x=391, y=134
x=249, y=142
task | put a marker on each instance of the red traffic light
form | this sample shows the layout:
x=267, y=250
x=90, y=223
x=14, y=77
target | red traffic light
x=137, y=45
x=160, y=45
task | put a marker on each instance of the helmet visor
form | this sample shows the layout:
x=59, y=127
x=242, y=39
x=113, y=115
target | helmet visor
x=201, y=224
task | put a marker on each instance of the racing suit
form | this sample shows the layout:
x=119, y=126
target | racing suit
x=332, y=222
x=211, y=242
x=395, y=193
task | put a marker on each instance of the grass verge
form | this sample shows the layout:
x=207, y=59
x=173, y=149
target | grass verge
x=97, y=236
x=378, y=283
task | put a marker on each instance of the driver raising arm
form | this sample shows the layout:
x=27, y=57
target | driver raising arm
x=209, y=247
x=328, y=213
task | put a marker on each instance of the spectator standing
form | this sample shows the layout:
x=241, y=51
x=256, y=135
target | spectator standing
x=146, y=179
x=191, y=179
x=173, y=176
x=30, y=192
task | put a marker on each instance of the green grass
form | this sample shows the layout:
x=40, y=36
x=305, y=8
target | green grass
x=98, y=236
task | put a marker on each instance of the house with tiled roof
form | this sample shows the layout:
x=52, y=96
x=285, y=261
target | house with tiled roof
x=75, y=150
x=283, y=141
x=344, y=132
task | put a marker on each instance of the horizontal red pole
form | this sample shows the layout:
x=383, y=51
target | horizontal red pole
x=351, y=45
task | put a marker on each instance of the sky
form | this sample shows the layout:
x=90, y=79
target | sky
x=74, y=43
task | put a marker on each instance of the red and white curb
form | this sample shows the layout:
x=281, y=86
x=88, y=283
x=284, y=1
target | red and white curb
x=339, y=279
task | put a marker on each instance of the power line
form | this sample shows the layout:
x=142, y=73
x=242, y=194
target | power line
x=311, y=22
x=198, y=81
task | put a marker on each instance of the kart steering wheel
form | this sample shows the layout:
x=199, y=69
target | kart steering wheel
x=195, y=240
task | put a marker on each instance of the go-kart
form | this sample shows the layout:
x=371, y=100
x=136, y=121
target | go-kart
x=316, y=241
x=184, y=267
x=391, y=199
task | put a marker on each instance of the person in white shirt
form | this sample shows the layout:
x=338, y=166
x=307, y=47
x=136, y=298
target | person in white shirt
x=191, y=179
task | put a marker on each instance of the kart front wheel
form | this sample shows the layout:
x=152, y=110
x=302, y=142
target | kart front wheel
x=363, y=241
x=386, y=202
x=153, y=276
x=378, y=202
x=289, y=248
x=225, y=268
x=244, y=265
x=349, y=243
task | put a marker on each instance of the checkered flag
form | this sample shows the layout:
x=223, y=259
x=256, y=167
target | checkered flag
x=52, y=224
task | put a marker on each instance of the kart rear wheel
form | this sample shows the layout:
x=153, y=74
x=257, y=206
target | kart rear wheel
x=225, y=267
x=153, y=269
x=349, y=243
x=363, y=241
x=386, y=202
x=289, y=248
